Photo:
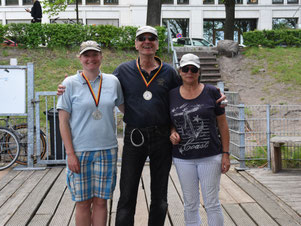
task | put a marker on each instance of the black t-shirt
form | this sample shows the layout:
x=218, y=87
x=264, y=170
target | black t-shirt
x=195, y=121
x=36, y=10
x=138, y=111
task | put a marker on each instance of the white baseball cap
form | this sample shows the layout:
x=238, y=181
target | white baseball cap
x=190, y=59
x=146, y=29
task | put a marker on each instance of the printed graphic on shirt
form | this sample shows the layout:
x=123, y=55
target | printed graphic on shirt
x=193, y=130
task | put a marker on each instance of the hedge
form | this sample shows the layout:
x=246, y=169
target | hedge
x=71, y=35
x=273, y=38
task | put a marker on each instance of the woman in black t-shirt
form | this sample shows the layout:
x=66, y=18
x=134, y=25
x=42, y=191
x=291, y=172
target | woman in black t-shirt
x=199, y=154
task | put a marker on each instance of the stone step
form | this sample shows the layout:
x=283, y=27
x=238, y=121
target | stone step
x=211, y=76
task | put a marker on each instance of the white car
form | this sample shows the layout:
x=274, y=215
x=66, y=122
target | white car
x=193, y=42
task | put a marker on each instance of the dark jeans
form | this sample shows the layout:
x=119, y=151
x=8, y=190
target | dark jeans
x=158, y=147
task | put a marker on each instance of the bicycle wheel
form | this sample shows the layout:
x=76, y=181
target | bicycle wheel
x=22, y=131
x=9, y=148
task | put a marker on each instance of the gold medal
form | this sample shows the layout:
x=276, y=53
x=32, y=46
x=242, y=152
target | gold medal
x=96, y=114
x=147, y=95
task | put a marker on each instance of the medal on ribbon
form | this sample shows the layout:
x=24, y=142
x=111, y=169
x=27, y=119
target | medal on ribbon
x=147, y=95
x=96, y=114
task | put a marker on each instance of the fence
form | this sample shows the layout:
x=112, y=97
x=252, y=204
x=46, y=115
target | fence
x=252, y=126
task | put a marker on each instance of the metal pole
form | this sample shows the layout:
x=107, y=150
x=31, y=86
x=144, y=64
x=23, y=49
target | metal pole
x=242, y=147
x=268, y=134
x=30, y=112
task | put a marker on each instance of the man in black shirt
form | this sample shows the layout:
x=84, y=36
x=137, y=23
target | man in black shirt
x=36, y=12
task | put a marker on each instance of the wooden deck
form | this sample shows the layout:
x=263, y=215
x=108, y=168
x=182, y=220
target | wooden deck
x=41, y=198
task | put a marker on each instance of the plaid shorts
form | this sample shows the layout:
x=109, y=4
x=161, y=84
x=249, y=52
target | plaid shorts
x=97, y=177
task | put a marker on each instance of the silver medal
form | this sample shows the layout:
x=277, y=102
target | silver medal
x=147, y=95
x=96, y=115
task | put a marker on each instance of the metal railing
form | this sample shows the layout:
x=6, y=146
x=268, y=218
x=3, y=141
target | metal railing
x=252, y=126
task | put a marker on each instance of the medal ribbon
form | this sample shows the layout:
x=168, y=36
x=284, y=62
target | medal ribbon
x=96, y=100
x=148, y=83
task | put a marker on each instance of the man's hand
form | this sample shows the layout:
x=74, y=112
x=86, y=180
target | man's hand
x=61, y=88
x=222, y=99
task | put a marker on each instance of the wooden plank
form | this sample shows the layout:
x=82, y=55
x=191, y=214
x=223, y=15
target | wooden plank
x=176, y=210
x=146, y=183
x=30, y=205
x=265, y=190
x=234, y=190
x=141, y=215
x=72, y=221
x=13, y=203
x=177, y=185
x=238, y=215
x=268, y=204
x=112, y=217
x=227, y=219
x=13, y=185
x=7, y=176
x=64, y=211
x=258, y=214
x=225, y=197
x=49, y=205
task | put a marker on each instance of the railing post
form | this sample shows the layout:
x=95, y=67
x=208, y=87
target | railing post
x=268, y=134
x=242, y=163
x=30, y=112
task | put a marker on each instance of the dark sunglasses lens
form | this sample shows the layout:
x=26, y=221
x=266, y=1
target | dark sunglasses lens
x=150, y=38
x=185, y=69
x=141, y=38
x=194, y=69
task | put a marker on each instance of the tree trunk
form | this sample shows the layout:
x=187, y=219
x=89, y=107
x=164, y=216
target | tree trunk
x=153, y=17
x=76, y=9
x=230, y=18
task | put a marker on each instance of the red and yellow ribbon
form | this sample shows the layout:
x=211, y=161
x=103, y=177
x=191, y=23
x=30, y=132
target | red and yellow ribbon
x=96, y=100
x=148, y=83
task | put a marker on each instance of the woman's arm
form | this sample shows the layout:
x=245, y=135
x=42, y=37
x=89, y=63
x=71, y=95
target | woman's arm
x=225, y=138
x=72, y=160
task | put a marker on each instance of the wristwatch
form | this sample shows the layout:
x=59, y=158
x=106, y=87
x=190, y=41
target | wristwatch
x=226, y=152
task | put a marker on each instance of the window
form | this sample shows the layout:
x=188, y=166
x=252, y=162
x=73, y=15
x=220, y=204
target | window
x=111, y=2
x=167, y=1
x=252, y=2
x=177, y=26
x=284, y=23
x=277, y=1
x=183, y=2
x=214, y=29
x=27, y=2
x=208, y=2
x=73, y=2
x=292, y=1
x=93, y=2
x=11, y=2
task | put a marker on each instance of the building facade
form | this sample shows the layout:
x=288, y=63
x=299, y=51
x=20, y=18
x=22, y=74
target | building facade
x=194, y=18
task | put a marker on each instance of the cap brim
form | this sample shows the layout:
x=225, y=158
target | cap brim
x=189, y=63
x=89, y=48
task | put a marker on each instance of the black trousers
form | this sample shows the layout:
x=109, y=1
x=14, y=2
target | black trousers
x=158, y=148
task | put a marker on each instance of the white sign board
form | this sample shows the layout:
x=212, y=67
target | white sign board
x=12, y=91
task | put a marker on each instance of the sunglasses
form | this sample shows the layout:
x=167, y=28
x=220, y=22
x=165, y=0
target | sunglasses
x=193, y=69
x=150, y=38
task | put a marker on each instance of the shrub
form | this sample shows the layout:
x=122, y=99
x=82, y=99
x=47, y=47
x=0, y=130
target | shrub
x=273, y=38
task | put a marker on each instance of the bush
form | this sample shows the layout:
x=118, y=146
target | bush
x=273, y=38
x=70, y=35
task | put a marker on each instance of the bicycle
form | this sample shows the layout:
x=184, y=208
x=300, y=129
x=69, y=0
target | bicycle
x=21, y=131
